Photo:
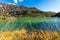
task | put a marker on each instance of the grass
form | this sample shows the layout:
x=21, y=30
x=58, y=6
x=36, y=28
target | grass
x=29, y=35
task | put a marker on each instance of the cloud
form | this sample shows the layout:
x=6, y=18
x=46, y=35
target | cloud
x=21, y=0
x=12, y=3
x=16, y=1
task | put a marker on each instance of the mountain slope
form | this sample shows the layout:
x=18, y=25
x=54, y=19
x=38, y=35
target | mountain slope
x=56, y=15
x=13, y=10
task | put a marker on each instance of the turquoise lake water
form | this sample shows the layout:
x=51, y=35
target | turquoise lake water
x=49, y=23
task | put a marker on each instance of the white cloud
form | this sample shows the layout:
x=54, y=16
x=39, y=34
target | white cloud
x=12, y=3
x=21, y=0
x=16, y=1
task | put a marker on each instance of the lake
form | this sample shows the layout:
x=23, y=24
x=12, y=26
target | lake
x=48, y=23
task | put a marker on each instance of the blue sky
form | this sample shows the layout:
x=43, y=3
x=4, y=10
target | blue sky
x=45, y=5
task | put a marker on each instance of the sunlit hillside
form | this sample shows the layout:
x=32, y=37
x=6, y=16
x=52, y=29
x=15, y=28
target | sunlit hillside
x=22, y=11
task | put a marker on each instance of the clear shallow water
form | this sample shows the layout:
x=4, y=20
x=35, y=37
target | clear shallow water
x=30, y=24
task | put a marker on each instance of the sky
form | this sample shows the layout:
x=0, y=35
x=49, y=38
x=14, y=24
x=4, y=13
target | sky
x=44, y=5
